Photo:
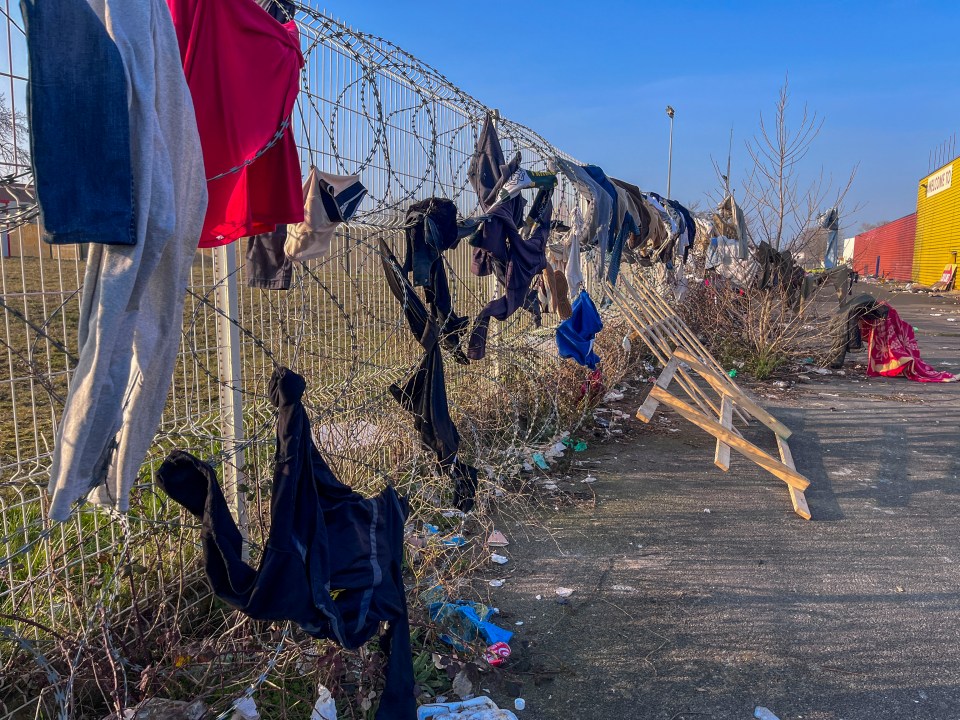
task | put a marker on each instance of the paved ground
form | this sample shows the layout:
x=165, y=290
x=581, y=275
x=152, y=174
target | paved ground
x=682, y=613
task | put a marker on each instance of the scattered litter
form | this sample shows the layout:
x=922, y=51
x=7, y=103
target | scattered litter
x=707, y=510
x=550, y=486
x=539, y=597
x=526, y=467
x=431, y=529
x=499, y=559
x=782, y=384
x=575, y=445
x=518, y=622
x=162, y=709
x=466, y=622
x=821, y=371
x=462, y=685
x=496, y=583
x=497, y=539
x=519, y=703
x=626, y=344
x=732, y=372
x=900, y=589
x=478, y=708
x=497, y=653
x=325, y=708
x=613, y=396
x=540, y=461
x=453, y=514
x=589, y=479
x=454, y=541
x=762, y=713
x=803, y=378
x=245, y=709
x=935, y=314
x=951, y=319
x=624, y=588
x=564, y=591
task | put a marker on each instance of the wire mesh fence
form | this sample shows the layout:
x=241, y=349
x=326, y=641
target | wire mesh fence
x=102, y=609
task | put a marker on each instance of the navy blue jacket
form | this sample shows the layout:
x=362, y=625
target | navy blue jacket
x=333, y=561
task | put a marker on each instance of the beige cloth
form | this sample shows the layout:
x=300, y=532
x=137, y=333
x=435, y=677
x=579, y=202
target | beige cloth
x=322, y=213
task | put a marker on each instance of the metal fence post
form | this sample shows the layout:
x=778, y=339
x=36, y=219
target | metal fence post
x=231, y=378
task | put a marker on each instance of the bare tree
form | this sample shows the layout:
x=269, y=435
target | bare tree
x=781, y=207
x=14, y=138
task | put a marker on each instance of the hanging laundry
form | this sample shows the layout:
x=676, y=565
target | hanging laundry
x=328, y=201
x=730, y=222
x=333, y=562
x=599, y=217
x=616, y=213
x=628, y=228
x=79, y=125
x=268, y=266
x=893, y=350
x=688, y=228
x=280, y=10
x=424, y=394
x=575, y=336
x=522, y=261
x=722, y=257
x=500, y=249
x=243, y=69
x=131, y=310
x=431, y=229
x=564, y=248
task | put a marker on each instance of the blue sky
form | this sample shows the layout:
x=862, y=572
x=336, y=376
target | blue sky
x=594, y=77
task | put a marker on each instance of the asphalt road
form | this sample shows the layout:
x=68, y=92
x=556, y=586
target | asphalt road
x=677, y=612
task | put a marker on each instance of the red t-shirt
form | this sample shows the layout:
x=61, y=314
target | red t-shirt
x=243, y=70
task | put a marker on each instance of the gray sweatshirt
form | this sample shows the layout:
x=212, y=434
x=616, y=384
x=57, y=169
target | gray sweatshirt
x=131, y=310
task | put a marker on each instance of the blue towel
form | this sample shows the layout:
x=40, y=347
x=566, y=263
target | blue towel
x=575, y=334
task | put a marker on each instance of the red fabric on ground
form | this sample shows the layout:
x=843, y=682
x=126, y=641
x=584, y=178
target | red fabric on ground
x=893, y=350
x=243, y=69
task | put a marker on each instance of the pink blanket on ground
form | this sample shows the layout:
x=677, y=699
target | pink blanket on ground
x=894, y=351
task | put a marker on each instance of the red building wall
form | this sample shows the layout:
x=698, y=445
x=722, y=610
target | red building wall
x=893, y=244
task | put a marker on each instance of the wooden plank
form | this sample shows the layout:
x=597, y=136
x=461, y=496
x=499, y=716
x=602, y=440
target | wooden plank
x=738, y=395
x=745, y=448
x=798, y=499
x=662, y=350
x=650, y=405
x=722, y=457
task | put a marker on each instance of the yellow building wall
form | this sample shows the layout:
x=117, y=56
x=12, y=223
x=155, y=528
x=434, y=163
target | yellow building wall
x=938, y=227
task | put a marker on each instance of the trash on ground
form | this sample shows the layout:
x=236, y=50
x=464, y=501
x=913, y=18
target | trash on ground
x=821, y=371
x=497, y=654
x=499, y=559
x=626, y=344
x=732, y=372
x=707, y=510
x=496, y=583
x=589, y=479
x=463, y=684
x=497, y=539
x=466, y=623
x=575, y=445
x=454, y=541
x=163, y=709
x=541, y=461
x=762, y=713
x=613, y=396
x=478, y=708
x=325, y=708
x=564, y=591
x=245, y=709
x=519, y=703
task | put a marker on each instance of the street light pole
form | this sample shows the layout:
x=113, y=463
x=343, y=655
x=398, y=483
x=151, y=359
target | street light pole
x=670, y=112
